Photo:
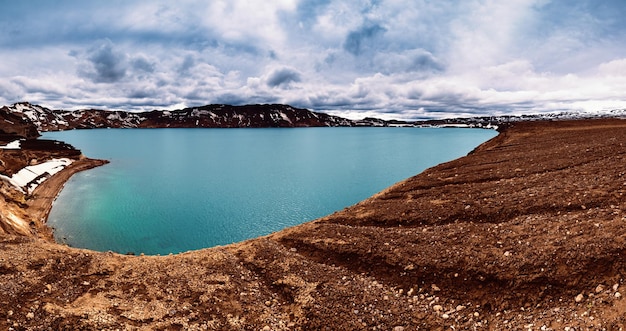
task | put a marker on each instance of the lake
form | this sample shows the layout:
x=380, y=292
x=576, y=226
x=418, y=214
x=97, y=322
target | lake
x=174, y=190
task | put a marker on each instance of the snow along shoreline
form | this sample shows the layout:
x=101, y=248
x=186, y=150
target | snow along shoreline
x=28, y=178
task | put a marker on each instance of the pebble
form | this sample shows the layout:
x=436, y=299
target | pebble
x=86, y=283
x=460, y=307
x=579, y=297
x=398, y=328
x=615, y=287
x=445, y=316
x=435, y=288
x=268, y=303
x=599, y=288
x=618, y=295
x=437, y=308
x=476, y=314
x=49, y=287
x=30, y=315
x=267, y=328
x=507, y=253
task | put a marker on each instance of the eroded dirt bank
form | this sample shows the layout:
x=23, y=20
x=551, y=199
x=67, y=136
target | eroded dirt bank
x=527, y=232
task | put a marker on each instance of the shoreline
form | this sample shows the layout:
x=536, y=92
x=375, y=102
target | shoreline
x=41, y=200
x=527, y=231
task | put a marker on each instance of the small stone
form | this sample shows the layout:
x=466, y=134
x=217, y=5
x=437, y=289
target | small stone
x=386, y=297
x=267, y=328
x=615, y=287
x=599, y=288
x=567, y=328
x=398, y=328
x=410, y=292
x=460, y=307
x=476, y=314
x=30, y=315
x=10, y=313
x=293, y=249
x=507, y=253
x=49, y=287
x=445, y=316
x=268, y=303
x=85, y=283
x=437, y=308
x=618, y=295
x=435, y=288
x=579, y=297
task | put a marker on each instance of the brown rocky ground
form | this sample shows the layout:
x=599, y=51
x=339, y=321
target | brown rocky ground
x=527, y=232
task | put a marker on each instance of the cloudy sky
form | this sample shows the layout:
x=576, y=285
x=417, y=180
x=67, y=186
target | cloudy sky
x=386, y=58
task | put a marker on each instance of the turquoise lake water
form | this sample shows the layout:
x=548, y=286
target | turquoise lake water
x=174, y=190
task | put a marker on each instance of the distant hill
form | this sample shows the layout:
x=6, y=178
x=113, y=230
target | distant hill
x=26, y=120
x=209, y=116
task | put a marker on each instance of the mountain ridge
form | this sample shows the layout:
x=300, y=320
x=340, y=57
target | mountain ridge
x=242, y=116
x=208, y=116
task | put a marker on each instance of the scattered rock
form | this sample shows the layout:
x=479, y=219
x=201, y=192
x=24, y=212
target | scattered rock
x=435, y=288
x=437, y=308
x=398, y=328
x=579, y=298
x=618, y=295
x=30, y=315
x=599, y=288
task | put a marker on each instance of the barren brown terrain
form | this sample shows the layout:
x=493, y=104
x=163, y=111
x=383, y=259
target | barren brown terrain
x=528, y=232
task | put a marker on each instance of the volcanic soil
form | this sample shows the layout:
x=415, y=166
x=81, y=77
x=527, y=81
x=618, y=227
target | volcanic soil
x=527, y=232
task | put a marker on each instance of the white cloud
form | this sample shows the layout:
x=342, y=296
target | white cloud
x=393, y=58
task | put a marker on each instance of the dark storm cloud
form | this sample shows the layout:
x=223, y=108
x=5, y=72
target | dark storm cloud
x=283, y=77
x=308, y=10
x=417, y=60
x=141, y=63
x=106, y=64
x=365, y=37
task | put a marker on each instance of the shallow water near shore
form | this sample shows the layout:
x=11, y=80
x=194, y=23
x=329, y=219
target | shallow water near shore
x=173, y=190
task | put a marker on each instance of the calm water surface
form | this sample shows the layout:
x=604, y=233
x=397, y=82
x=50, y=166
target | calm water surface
x=173, y=190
